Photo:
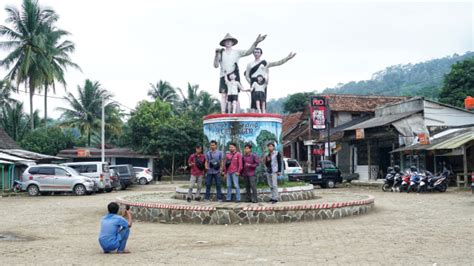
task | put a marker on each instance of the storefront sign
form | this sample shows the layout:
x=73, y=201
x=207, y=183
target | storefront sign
x=318, y=110
x=83, y=153
x=360, y=133
x=423, y=139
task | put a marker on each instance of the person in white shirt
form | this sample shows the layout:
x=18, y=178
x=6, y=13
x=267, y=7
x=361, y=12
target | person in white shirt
x=233, y=88
x=258, y=90
x=228, y=59
x=260, y=67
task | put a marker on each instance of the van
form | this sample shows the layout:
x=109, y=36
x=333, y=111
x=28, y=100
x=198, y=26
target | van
x=291, y=166
x=126, y=174
x=98, y=171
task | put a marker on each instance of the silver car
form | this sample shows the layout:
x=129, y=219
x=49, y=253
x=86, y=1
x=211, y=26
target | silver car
x=55, y=178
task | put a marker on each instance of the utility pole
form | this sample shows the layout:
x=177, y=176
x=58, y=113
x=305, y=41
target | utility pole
x=103, y=131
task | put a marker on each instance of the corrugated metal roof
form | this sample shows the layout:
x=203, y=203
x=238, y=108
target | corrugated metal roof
x=5, y=162
x=446, y=140
x=11, y=158
x=29, y=154
x=381, y=120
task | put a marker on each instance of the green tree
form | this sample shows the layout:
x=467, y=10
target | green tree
x=264, y=137
x=458, y=83
x=84, y=112
x=15, y=121
x=297, y=102
x=156, y=129
x=163, y=91
x=57, y=52
x=47, y=140
x=5, y=94
x=27, y=40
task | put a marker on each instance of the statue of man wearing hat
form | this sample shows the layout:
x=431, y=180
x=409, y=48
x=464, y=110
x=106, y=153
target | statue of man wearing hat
x=228, y=59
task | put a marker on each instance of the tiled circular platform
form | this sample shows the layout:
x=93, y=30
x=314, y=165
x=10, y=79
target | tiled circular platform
x=154, y=207
x=264, y=194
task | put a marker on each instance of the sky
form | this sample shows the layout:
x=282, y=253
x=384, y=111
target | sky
x=126, y=45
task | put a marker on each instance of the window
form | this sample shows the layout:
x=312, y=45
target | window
x=33, y=170
x=328, y=165
x=60, y=172
x=105, y=167
x=293, y=163
x=122, y=170
x=89, y=168
x=46, y=171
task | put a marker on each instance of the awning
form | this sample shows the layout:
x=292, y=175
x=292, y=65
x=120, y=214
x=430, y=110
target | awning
x=14, y=159
x=381, y=120
x=450, y=141
x=5, y=162
x=29, y=155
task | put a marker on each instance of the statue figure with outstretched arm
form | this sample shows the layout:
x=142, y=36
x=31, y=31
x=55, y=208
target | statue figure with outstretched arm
x=258, y=68
x=228, y=58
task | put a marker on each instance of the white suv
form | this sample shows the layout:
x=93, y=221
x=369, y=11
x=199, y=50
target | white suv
x=98, y=171
x=55, y=178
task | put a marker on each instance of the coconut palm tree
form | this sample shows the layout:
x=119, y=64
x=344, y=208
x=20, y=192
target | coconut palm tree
x=5, y=94
x=27, y=62
x=207, y=104
x=57, y=52
x=163, y=91
x=14, y=120
x=84, y=112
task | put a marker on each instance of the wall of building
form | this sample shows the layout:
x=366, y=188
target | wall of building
x=402, y=107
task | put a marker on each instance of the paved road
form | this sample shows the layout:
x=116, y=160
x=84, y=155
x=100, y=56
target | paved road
x=403, y=229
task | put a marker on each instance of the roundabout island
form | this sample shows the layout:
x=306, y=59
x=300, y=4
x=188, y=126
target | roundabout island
x=172, y=208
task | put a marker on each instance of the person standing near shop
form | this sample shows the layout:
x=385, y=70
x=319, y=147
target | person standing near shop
x=273, y=163
x=214, y=163
x=233, y=167
x=249, y=164
x=197, y=163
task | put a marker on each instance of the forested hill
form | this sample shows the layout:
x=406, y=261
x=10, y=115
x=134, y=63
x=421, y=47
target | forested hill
x=421, y=79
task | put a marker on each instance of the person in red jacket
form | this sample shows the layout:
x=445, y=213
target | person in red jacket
x=232, y=169
x=250, y=162
x=196, y=162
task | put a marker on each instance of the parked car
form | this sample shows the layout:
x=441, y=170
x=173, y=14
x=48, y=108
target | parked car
x=98, y=171
x=327, y=175
x=143, y=175
x=55, y=178
x=126, y=174
x=291, y=166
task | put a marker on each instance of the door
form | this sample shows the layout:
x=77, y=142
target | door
x=46, y=179
x=64, y=180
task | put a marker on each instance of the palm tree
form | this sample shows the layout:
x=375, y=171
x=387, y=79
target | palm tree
x=5, y=94
x=58, y=55
x=14, y=121
x=28, y=40
x=84, y=112
x=163, y=91
x=207, y=104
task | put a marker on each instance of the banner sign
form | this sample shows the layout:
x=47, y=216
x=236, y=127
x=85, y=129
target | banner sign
x=318, y=112
x=360, y=133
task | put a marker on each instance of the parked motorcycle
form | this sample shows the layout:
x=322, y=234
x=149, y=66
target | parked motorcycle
x=17, y=186
x=414, y=180
x=405, y=182
x=389, y=179
x=434, y=183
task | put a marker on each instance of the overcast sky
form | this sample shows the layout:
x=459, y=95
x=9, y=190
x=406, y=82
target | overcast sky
x=125, y=45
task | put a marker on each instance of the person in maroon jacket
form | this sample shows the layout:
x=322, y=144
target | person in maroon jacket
x=232, y=169
x=250, y=162
x=197, y=162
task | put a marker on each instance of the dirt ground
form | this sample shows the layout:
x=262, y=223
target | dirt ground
x=403, y=228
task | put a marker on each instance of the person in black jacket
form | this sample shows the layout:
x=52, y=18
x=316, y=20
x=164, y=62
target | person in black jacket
x=273, y=163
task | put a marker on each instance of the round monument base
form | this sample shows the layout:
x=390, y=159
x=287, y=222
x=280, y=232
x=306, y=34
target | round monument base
x=263, y=194
x=163, y=208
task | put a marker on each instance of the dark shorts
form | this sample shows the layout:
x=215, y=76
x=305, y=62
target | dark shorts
x=260, y=96
x=231, y=98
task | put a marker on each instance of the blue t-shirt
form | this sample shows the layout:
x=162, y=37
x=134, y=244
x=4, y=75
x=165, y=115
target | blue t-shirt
x=110, y=226
x=215, y=156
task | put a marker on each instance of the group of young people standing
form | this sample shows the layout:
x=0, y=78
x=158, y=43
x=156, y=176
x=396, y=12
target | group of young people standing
x=233, y=165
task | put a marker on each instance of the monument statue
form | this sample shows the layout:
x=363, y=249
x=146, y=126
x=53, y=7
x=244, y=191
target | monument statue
x=228, y=58
x=258, y=70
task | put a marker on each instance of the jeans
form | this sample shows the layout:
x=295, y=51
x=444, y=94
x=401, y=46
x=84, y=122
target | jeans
x=272, y=180
x=233, y=178
x=217, y=178
x=119, y=244
x=251, y=187
x=191, y=186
